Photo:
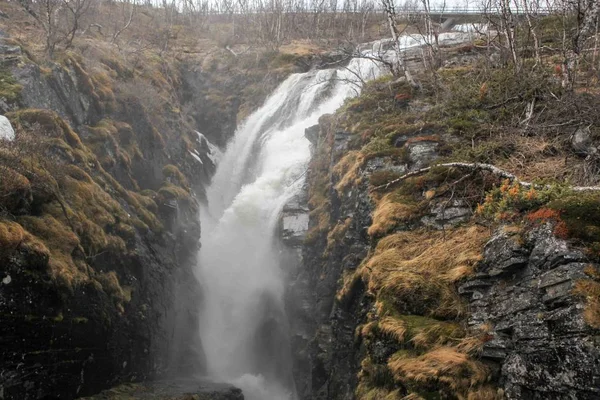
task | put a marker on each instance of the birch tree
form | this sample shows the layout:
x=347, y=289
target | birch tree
x=400, y=65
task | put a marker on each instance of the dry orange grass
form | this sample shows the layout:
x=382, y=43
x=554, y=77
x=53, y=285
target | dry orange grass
x=337, y=233
x=364, y=392
x=445, y=365
x=348, y=169
x=388, y=213
x=11, y=234
x=413, y=396
x=436, y=334
x=589, y=289
x=301, y=47
x=393, y=327
x=423, y=266
x=486, y=392
x=541, y=158
x=62, y=242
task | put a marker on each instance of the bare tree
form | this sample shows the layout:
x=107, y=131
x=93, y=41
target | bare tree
x=129, y=8
x=60, y=19
x=400, y=65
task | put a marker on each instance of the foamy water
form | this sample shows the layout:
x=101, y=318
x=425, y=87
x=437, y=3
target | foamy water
x=244, y=329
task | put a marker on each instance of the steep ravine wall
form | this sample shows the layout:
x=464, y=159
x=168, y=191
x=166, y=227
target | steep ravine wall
x=99, y=225
x=405, y=293
x=98, y=247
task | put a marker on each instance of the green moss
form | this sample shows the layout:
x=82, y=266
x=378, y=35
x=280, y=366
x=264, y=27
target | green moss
x=170, y=191
x=581, y=213
x=174, y=175
x=383, y=177
x=10, y=90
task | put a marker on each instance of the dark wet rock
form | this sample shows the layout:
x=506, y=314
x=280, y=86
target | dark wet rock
x=540, y=342
x=294, y=219
x=340, y=145
x=503, y=254
x=384, y=164
x=540, y=346
x=447, y=214
x=59, y=343
x=323, y=60
x=312, y=134
x=326, y=358
x=6, y=49
x=176, y=389
x=58, y=92
x=421, y=153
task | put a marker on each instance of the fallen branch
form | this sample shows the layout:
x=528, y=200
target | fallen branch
x=505, y=102
x=477, y=167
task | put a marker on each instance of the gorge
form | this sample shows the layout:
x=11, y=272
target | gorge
x=269, y=205
x=244, y=327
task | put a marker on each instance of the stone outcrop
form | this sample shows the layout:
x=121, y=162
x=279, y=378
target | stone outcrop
x=540, y=345
x=175, y=389
x=294, y=220
x=63, y=342
x=326, y=358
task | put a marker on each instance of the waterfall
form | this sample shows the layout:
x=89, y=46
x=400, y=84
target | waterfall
x=244, y=329
x=243, y=324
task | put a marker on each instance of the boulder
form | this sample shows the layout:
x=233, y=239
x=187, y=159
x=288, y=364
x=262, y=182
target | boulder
x=6, y=130
x=582, y=142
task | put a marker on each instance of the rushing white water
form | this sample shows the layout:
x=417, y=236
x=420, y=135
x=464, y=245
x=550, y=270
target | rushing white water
x=243, y=324
x=243, y=327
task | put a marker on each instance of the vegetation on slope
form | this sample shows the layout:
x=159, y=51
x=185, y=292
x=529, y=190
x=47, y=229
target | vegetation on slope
x=521, y=120
x=81, y=191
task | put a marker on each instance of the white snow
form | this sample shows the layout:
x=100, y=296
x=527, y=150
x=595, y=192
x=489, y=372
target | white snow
x=6, y=130
x=196, y=157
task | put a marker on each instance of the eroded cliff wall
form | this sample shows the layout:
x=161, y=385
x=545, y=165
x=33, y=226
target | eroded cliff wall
x=448, y=282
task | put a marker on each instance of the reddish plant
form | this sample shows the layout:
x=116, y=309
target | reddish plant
x=402, y=97
x=561, y=230
x=543, y=215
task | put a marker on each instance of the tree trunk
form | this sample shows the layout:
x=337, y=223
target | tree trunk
x=388, y=6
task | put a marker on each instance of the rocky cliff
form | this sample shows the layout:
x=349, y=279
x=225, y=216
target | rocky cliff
x=99, y=194
x=443, y=282
x=99, y=232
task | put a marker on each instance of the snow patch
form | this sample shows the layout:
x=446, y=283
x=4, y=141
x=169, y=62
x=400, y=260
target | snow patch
x=196, y=157
x=6, y=130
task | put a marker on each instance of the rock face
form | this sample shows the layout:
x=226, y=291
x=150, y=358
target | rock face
x=582, y=142
x=62, y=343
x=294, y=220
x=326, y=358
x=541, y=345
x=177, y=389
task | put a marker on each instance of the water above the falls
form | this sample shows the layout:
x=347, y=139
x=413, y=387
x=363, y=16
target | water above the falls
x=243, y=322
